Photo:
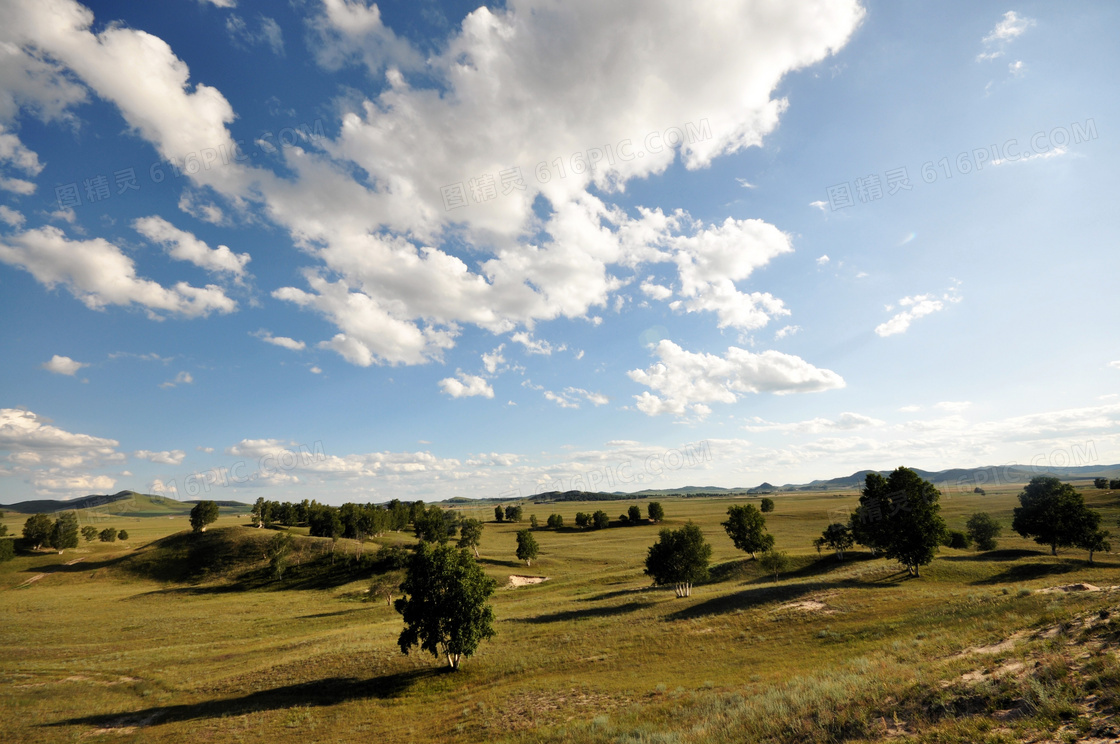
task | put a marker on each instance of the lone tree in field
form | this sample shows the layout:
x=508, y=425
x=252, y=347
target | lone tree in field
x=37, y=530
x=837, y=537
x=746, y=527
x=774, y=562
x=386, y=585
x=527, y=547
x=1101, y=483
x=444, y=604
x=766, y=505
x=203, y=513
x=122, y=535
x=1094, y=541
x=634, y=514
x=656, y=513
x=89, y=532
x=7, y=550
x=109, y=534
x=600, y=520
x=679, y=557
x=499, y=514
x=470, y=534
x=983, y=530
x=900, y=517
x=1053, y=513
x=64, y=532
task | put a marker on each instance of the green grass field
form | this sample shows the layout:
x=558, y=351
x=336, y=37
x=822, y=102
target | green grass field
x=126, y=645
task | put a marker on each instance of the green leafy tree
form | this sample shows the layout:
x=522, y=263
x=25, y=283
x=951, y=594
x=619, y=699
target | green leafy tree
x=958, y=539
x=89, y=532
x=3, y=530
x=109, y=534
x=257, y=514
x=983, y=530
x=499, y=515
x=122, y=535
x=278, y=550
x=1053, y=513
x=203, y=514
x=386, y=585
x=513, y=513
x=766, y=505
x=527, y=547
x=655, y=511
x=444, y=606
x=679, y=557
x=37, y=530
x=470, y=535
x=1101, y=483
x=900, y=516
x=64, y=532
x=774, y=562
x=1114, y=485
x=746, y=527
x=818, y=543
x=583, y=519
x=1095, y=540
x=634, y=514
x=837, y=537
x=7, y=550
x=555, y=521
x=430, y=525
x=600, y=520
x=533, y=521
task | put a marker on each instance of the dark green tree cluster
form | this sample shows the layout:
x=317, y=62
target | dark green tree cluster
x=61, y=533
x=679, y=557
x=983, y=530
x=597, y=521
x=900, y=517
x=434, y=524
x=555, y=522
x=470, y=534
x=1106, y=484
x=513, y=513
x=766, y=505
x=1054, y=514
x=89, y=532
x=109, y=534
x=37, y=530
x=655, y=511
x=837, y=537
x=351, y=521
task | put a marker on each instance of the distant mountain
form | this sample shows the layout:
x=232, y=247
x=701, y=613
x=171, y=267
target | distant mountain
x=985, y=476
x=122, y=502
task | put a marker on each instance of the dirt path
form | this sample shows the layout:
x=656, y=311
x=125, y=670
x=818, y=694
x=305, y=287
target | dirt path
x=32, y=580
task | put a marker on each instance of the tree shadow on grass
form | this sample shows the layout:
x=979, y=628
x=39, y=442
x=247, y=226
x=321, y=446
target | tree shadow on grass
x=616, y=594
x=501, y=564
x=318, y=693
x=1007, y=554
x=583, y=614
x=759, y=595
x=1030, y=572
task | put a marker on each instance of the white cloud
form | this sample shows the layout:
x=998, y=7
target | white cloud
x=953, y=406
x=282, y=341
x=55, y=461
x=846, y=421
x=686, y=382
x=316, y=371
x=183, y=378
x=466, y=386
x=821, y=205
x=746, y=184
x=535, y=346
x=184, y=246
x=349, y=31
x=207, y=450
x=572, y=396
x=493, y=359
x=268, y=32
x=220, y=3
x=166, y=457
x=1115, y=364
x=99, y=274
x=1009, y=28
x=822, y=260
x=11, y=216
x=13, y=155
x=192, y=203
x=655, y=291
x=62, y=365
x=1016, y=68
x=917, y=306
x=788, y=330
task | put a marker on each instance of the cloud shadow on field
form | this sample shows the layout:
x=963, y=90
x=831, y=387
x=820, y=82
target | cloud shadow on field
x=322, y=692
x=583, y=613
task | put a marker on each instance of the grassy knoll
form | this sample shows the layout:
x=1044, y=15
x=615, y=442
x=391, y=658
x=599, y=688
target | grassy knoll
x=128, y=645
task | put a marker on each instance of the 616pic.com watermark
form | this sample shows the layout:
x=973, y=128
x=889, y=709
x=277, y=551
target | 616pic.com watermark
x=484, y=188
x=1042, y=144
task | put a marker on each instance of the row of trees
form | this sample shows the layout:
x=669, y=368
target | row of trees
x=1105, y=483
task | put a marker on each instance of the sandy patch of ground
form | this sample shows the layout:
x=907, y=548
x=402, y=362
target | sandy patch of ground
x=807, y=605
x=518, y=581
x=76, y=560
x=32, y=580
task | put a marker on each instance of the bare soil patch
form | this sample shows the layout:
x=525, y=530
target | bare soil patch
x=519, y=581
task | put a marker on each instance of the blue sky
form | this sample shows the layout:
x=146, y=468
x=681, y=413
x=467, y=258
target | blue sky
x=335, y=250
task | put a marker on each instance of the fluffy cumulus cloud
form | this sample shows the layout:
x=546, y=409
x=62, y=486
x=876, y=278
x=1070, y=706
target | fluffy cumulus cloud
x=99, y=274
x=846, y=421
x=686, y=382
x=55, y=461
x=183, y=246
x=165, y=457
x=912, y=308
x=63, y=365
x=1010, y=27
x=466, y=386
x=282, y=341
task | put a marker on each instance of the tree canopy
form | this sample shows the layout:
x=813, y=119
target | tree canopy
x=679, y=557
x=64, y=532
x=983, y=530
x=655, y=511
x=444, y=606
x=527, y=547
x=1053, y=513
x=203, y=513
x=838, y=537
x=37, y=530
x=900, y=517
x=470, y=534
x=746, y=527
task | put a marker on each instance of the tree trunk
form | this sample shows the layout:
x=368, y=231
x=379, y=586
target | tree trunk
x=476, y=555
x=528, y=561
x=1053, y=548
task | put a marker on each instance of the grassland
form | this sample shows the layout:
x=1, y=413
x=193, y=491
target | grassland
x=123, y=646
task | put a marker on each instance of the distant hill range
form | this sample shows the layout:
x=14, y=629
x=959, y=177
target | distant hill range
x=122, y=502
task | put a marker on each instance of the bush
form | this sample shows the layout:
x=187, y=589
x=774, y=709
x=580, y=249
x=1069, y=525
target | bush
x=7, y=550
x=766, y=505
x=109, y=534
x=773, y=562
x=122, y=535
x=957, y=539
x=983, y=530
x=533, y=521
x=600, y=520
x=89, y=532
x=634, y=514
x=583, y=519
x=555, y=521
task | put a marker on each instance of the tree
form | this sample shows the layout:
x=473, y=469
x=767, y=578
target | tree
x=555, y=521
x=278, y=550
x=470, y=535
x=7, y=550
x=818, y=543
x=900, y=516
x=122, y=535
x=837, y=537
x=89, y=532
x=527, y=547
x=980, y=491
x=1114, y=485
x=204, y=513
x=109, y=534
x=774, y=562
x=634, y=514
x=386, y=585
x=513, y=513
x=746, y=527
x=444, y=604
x=656, y=513
x=983, y=530
x=679, y=557
x=499, y=515
x=64, y=532
x=430, y=525
x=600, y=520
x=583, y=519
x=257, y=513
x=1053, y=513
x=958, y=539
x=1101, y=483
x=766, y=505
x=533, y=521
x=3, y=529
x=1095, y=540
x=37, y=530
